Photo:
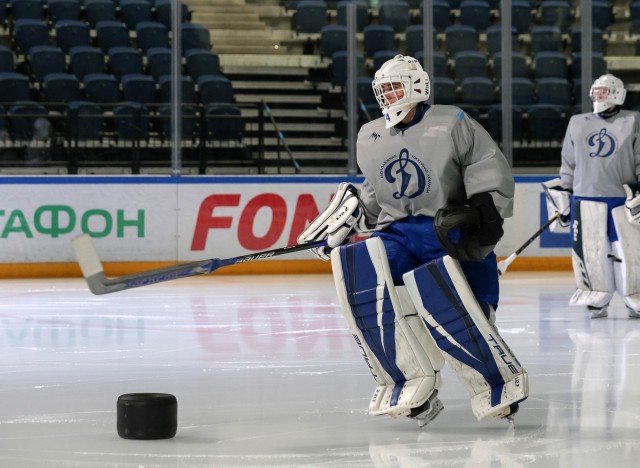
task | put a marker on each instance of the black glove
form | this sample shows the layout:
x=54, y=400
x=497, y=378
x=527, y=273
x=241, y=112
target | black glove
x=490, y=231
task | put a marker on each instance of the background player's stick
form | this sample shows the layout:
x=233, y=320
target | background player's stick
x=504, y=264
x=98, y=283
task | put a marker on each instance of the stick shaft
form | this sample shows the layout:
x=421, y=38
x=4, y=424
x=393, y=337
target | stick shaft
x=98, y=283
x=504, y=264
x=537, y=233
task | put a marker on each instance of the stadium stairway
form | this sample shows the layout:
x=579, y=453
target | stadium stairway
x=265, y=61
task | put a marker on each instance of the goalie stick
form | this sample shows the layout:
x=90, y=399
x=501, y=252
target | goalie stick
x=504, y=264
x=98, y=283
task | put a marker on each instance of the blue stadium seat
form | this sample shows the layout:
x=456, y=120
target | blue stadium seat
x=111, y=34
x=27, y=9
x=546, y=122
x=442, y=15
x=125, y=61
x=378, y=37
x=215, y=89
x=46, y=59
x=381, y=56
x=338, y=67
x=188, y=89
x=494, y=123
x=414, y=37
x=519, y=67
x=101, y=88
x=444, y=90
x=63, y=10
x=494, y=39
x=598, y=65
x=333, y=38
x=634, y=17
x=133, y=12
x=223, y=122
x=310, y=16
x=522, y=91
x=601, y=15
x=521, y=15
x=15, y=87
x=365, y=90
x=545, y=37
x=72, y=33
x=21, y=117
x=470, y=63
x=440, y=66
x=86, y=59
x=7, y=59
x=475, y=13
x=556, y=13
x=548, y=64
x=99, y=10
x=201, y=62
x=162, y=10
x=138, y=87
x=131, y=121
x=159, y=62
x=362, y=13
x=556, y=91
x=188, y=121
x=459, y=37
x=395, y=13
x=597, y=40
x=195, y=36
x=86, y=120
x=477, y=90
x=29, y=32
x=151, y=34
x=61, y=87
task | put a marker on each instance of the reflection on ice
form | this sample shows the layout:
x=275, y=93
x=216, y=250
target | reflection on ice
x=266, y=373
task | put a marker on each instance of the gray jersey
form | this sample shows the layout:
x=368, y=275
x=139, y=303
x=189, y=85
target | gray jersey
x=600, y=155
x=444, y=158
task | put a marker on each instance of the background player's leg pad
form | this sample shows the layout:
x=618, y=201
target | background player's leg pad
x=589, y=255
x=473, y=347
x=394, y=342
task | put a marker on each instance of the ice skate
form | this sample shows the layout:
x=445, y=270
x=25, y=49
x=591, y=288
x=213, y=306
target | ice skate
x=428, y=411
x=598, y=312
x=633, y=314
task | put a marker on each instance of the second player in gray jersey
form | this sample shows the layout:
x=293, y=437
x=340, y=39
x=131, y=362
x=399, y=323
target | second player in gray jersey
x=597, y=196
x=423, y=289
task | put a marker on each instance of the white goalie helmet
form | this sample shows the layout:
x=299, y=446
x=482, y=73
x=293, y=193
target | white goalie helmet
x=399, y=85
x=606, y=92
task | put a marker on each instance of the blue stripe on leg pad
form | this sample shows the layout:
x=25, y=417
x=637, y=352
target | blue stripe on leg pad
x=457, y=334
x=363, y=289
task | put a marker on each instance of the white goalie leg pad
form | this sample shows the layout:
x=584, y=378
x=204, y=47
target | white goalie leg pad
x=627, y=263
x=392, y=338
x=590, y=249
x=471, y=345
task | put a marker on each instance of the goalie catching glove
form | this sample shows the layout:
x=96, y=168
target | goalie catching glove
x=469, y=233
x=632, y=204
x=343, y=215
x=558, y=202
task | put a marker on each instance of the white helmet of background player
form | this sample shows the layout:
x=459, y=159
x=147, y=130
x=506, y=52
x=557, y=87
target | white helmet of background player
x=399, y=86
x=606, y=92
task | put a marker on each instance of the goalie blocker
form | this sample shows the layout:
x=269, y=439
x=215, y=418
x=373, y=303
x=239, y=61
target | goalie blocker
x=395, y=327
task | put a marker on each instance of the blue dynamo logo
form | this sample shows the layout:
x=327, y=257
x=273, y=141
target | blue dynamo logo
x=405, y=169
x=604, y=144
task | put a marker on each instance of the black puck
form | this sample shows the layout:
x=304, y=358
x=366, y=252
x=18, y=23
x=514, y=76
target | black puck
x=147, y=416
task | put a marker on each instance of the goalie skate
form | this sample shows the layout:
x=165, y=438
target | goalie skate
x=428, y=411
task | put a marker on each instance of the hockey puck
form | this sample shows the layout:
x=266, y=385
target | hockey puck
x=147, y=416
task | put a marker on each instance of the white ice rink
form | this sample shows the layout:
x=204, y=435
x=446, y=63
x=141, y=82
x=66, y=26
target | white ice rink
x=266, y=374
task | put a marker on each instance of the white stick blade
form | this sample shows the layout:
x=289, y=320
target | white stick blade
x=87, y=256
